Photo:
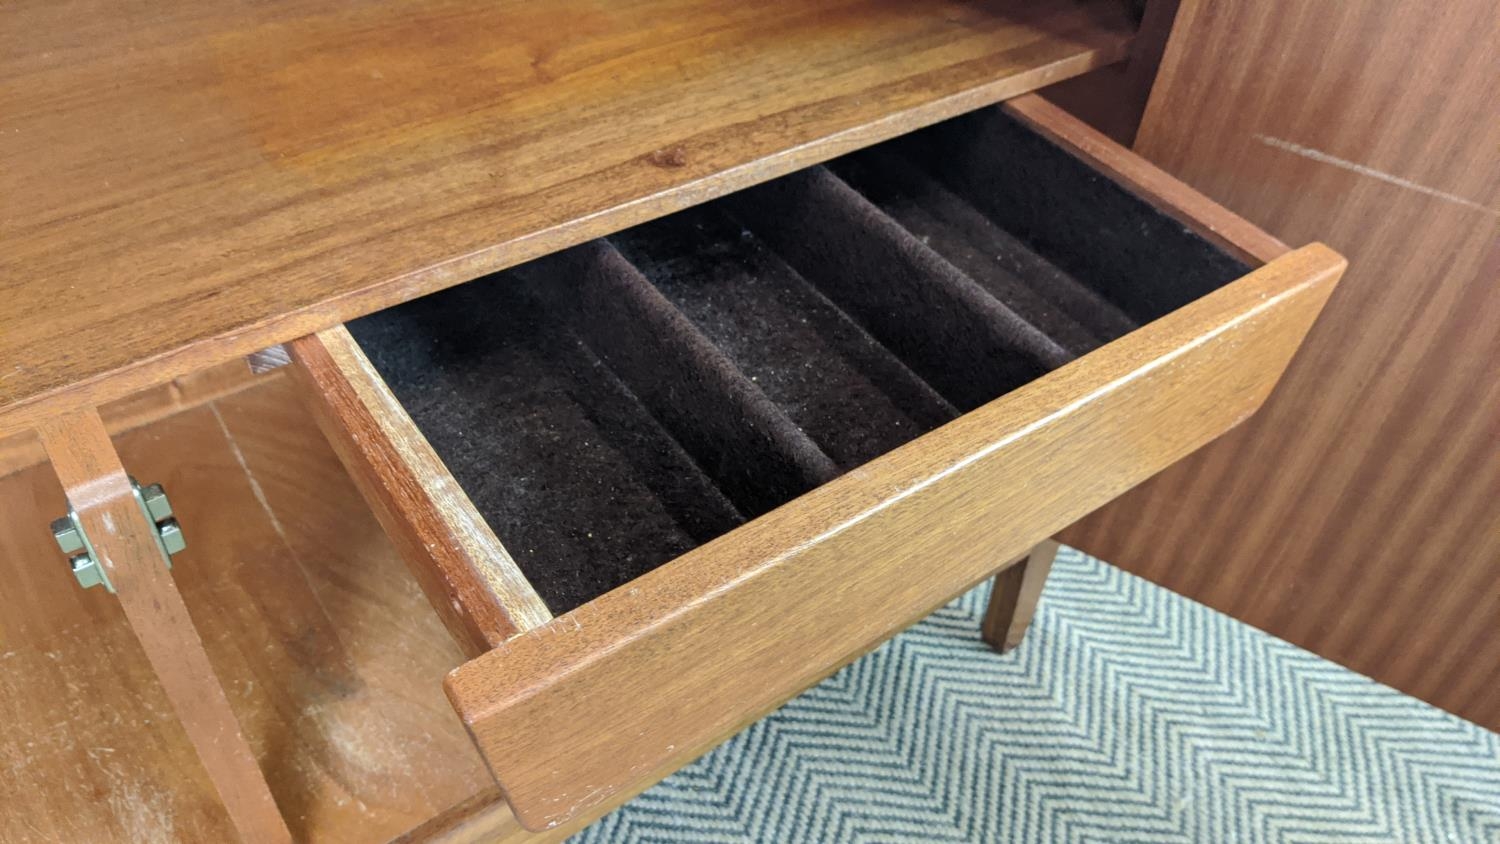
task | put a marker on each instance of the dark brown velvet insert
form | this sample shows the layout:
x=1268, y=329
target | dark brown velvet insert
x=1133, y=256
x=613, y=406
x=853, y=397
x=581, y=483
x=1060, y=306
x=736, y=435
x=953, y=333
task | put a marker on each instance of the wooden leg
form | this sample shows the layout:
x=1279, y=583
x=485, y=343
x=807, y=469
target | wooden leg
x=101, y=494
x=1013, y=601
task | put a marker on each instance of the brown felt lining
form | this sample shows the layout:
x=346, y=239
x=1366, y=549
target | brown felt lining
x=613, y=406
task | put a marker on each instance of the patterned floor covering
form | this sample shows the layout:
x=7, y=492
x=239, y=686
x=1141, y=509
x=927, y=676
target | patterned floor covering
x=1129, y=714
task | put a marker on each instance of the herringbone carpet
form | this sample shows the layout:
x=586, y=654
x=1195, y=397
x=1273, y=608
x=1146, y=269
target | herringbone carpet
x=1129, y=714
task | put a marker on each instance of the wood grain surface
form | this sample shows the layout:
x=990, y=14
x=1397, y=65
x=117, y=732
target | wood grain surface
x=184, y=184
x=468, y=576
x=24, y=448
x=613, y=696
x=1358, y=515
x=331, y=659
x=1113, y=98
x=124, y=542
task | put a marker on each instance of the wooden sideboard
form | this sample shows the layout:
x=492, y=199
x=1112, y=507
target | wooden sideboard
x=685, y=352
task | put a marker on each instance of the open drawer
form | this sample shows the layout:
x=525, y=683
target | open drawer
x=661, y=482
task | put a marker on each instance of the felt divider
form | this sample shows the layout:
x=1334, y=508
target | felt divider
x=1141, y=260
x=740, y=438
x=946, y=327
x=1038, y=291
x=583, y=486
x=851, y=395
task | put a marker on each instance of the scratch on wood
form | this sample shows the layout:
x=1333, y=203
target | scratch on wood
x=145, y=815
x=255, y=488
x=1355, y=167
x=265, y=505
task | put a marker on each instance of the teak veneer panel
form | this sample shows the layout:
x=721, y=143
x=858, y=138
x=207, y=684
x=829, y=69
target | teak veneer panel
x=621, y=691
x=23, y=449
x=1358, y=515
x=183, y=184
x=123, y=540
x=331, y=659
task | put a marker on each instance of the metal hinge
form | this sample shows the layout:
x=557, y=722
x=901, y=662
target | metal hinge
x=74, y=542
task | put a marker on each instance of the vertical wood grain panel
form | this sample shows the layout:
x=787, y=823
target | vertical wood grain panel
x=1358, y=515
x=124, y=543
x=331, y=658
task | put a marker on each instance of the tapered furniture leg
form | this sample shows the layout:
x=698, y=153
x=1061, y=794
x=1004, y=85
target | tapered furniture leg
x=1013, y=601
x=102, y=496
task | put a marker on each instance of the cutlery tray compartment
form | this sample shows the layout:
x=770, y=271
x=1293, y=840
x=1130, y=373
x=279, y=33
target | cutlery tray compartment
x=611, y=407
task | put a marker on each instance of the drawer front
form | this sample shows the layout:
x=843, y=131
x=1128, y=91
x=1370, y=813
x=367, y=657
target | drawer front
x=577, y=713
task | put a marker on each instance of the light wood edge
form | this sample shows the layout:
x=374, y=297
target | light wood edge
x=1150, y=46
x=540, y=686
x=100, y=492
x=1217, y=224
x=489, y=817
x=27, y=413
x=23, y=450
x=484, y=818
x=466, y=573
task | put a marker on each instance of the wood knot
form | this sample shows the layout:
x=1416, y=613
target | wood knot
x=669, y=158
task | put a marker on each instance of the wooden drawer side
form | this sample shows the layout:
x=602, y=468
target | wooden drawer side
x=466, y=573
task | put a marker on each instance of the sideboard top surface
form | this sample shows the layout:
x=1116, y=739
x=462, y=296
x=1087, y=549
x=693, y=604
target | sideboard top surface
x=186, y=183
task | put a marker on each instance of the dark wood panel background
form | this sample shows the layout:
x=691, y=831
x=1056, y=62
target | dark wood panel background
x=1358, y=515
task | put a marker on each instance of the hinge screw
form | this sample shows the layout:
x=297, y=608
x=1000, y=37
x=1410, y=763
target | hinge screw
x=81, y=559
x=87, y=572
x=156, y=502
x=69, y=539
x=171, y=536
